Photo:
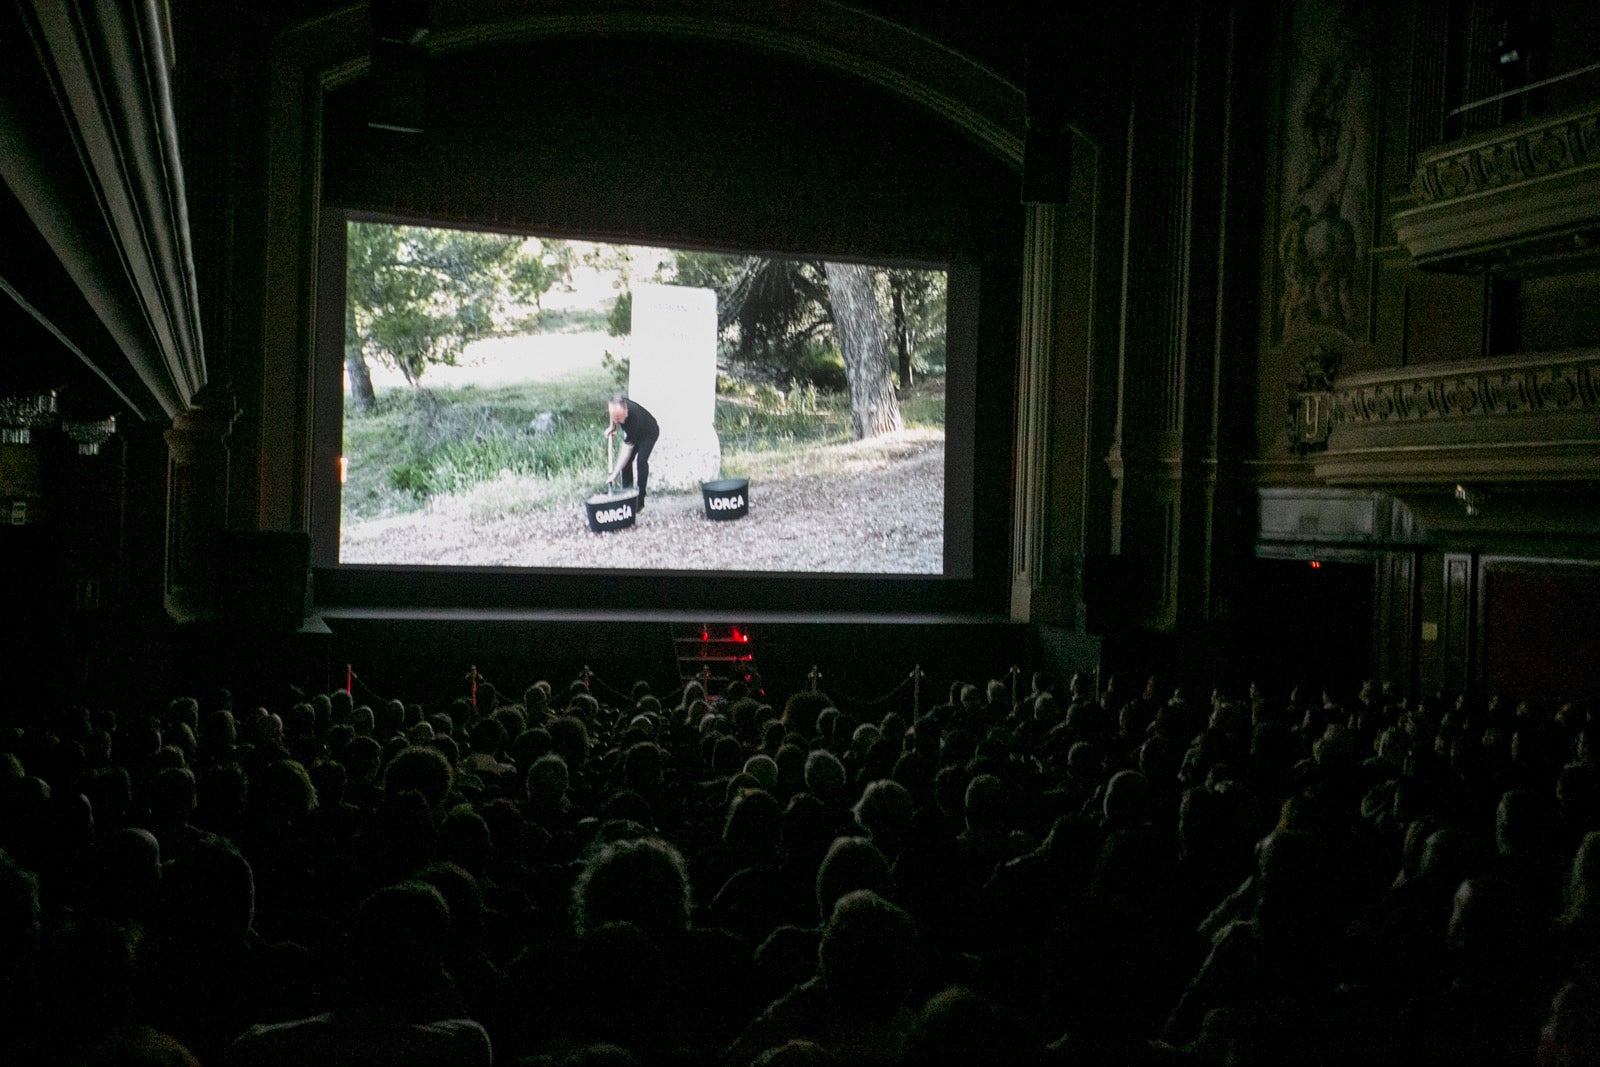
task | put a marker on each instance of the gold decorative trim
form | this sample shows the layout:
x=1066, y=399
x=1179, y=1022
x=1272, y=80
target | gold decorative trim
x=1567, y=382
x=1508, y=156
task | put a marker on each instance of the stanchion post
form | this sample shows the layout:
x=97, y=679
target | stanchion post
x=349, y=680
x=815, y=678
x=474, y=686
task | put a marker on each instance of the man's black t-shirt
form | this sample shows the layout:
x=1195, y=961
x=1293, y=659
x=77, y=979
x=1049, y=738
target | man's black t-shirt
x=639, y=425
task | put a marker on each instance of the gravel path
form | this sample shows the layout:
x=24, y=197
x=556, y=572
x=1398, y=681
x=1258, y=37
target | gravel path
x=880, y=511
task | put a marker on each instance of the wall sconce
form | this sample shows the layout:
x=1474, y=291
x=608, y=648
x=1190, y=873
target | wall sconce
x=1469, y=500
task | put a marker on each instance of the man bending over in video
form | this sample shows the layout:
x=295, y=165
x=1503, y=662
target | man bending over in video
x=639, y=433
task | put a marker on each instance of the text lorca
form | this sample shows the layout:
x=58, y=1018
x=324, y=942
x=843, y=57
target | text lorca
x=616, y=514
x=726, y=503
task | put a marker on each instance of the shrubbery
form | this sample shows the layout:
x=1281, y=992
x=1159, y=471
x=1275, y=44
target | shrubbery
x=419, y=444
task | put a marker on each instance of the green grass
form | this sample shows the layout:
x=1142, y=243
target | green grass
x=570, y=320
x=480, y=441
x=418, y=444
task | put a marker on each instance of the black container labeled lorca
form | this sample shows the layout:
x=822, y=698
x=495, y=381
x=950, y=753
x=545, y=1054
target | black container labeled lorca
x=726, y=498
x=612, y=509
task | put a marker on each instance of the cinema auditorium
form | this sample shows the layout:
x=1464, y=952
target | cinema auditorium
x=1219, y=685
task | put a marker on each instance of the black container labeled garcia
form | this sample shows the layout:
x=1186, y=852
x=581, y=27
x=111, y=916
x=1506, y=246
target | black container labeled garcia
x=726, y=498
x=611, y=508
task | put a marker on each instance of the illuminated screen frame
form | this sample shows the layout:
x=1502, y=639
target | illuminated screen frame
x=326, y=413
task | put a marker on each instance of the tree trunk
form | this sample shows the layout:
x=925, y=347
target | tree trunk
x=355, y=366
x=858, y=325
x=902, y=335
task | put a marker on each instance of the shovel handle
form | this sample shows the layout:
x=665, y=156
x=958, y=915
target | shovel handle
x=608, y=457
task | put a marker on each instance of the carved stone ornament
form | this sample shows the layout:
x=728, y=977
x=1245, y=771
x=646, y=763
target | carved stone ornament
x=1314, y=355
x=1507, y=156
x=1568, y=381
x=1516, y=200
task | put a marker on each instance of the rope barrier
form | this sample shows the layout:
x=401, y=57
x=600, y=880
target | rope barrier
x=867, y=703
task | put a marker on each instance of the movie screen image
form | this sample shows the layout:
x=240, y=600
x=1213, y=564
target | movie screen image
x=514, y=401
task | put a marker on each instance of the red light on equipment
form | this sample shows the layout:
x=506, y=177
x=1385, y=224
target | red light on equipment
x=1316, y=564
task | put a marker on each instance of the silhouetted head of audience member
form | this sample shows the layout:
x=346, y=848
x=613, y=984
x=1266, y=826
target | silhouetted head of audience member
x=1583, y=886
x=546, y=781
x=463, y=895
x=420, y=769
x=796, y=1053
x=141, y=1046
x=19, y=916
x=763, y=769
x=280, y=792
x=802, y=710
x=826, y=778
x=642, y=767
x=985, y=806
x=1523, y=824
x=397, y=952
x=851, y=863
x=1127, y=798
x=627, y=806
x=643, y=881
x=959, y=1026
x=210, y=896
x=868, y=956
x=466, y=840
x=754, y=827
x=569, y=739
x=888, y=814
x=173, y=795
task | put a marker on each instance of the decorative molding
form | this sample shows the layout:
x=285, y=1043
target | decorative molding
x=1564, y=382
x=1518, y=199
x=986, y=105
x=107, y=69
x=1314, y=355
x=1507, y=156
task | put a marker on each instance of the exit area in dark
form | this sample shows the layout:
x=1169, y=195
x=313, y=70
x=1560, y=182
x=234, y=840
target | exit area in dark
x=1310, y=623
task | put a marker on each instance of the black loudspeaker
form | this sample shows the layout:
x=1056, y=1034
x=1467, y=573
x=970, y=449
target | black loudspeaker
x=1113, y=590
x=266, y=578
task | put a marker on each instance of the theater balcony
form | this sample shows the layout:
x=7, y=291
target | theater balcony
x=1520, y=199
x=1523, y=418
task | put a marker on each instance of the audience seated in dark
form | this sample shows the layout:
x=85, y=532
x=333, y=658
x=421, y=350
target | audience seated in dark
x=662, y=876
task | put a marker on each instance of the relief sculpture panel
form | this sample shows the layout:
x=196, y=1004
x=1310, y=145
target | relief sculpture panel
x=1324, y=223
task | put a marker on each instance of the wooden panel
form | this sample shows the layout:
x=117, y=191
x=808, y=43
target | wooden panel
x=1455, y=624
x=1388, y=318
x=1444, y=318
x=1561, y=311
x=1430, y=650
x=1394, y=620
x=1541, y=630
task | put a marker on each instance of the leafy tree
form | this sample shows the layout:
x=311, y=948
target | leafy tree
x=916, y=303
x=416, y=296
x=777, y=313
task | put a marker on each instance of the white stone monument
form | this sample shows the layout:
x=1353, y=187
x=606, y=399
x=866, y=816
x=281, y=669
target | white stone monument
x=672, y=371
